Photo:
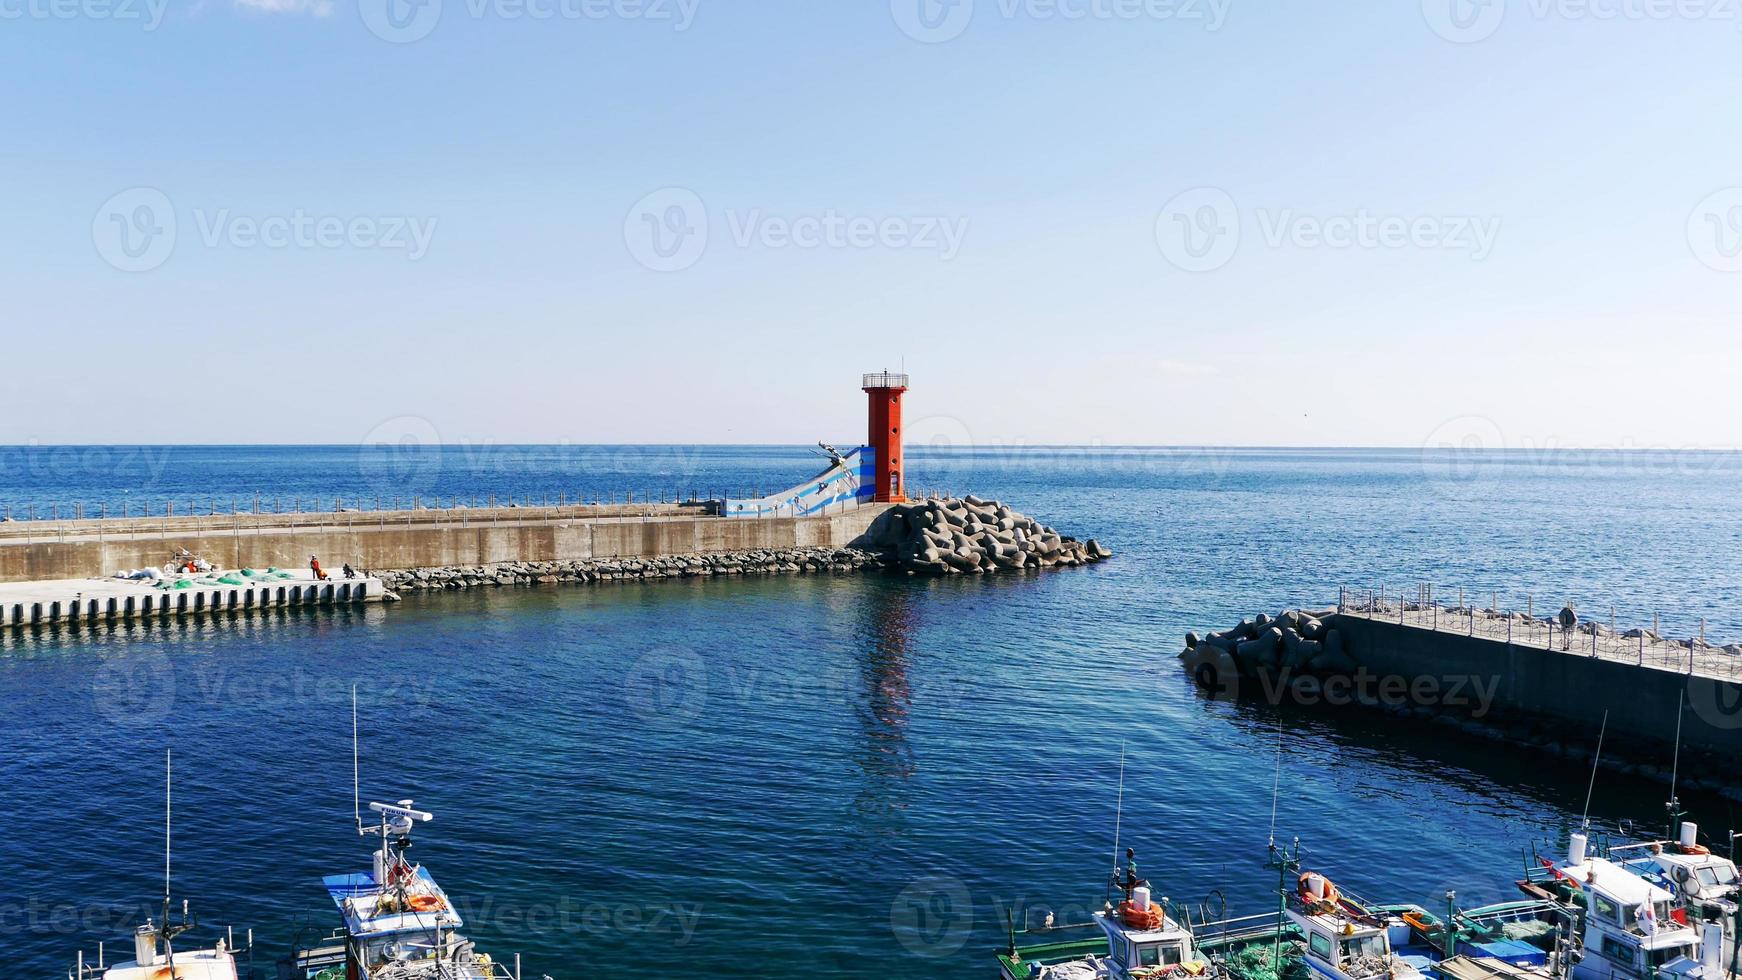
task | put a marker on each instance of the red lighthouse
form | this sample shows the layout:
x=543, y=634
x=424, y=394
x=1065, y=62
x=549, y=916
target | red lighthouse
x=884, y=435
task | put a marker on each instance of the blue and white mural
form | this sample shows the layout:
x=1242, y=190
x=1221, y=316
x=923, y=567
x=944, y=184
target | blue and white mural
x=845, y=484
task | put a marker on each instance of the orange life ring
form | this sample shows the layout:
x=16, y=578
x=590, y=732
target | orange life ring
x=424, y=903
x=1316, y=889
x=1136, y=918
x=1694, y=849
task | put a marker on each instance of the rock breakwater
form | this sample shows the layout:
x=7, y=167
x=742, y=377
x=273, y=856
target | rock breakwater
x=796, y=561
x=932, y=537
x=1296, y=640
x=974, y=536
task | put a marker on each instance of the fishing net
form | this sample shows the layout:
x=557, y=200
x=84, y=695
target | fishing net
x=1258, y=962
x=1530, y=931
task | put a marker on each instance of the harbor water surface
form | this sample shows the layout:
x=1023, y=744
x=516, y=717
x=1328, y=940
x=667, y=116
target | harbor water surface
x=857, y=776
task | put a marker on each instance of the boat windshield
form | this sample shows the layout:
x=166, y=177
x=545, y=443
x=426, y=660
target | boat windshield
x=1717, y=874
x=1164, y=954
x=1363, y=946
x=1659, y=957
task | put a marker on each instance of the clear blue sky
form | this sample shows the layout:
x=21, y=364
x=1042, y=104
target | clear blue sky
x=999, y=204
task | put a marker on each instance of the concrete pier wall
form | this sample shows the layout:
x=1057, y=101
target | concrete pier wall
x=414, y=539
x=1572, y=688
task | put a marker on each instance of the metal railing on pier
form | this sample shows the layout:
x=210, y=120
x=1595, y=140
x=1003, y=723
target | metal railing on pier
x=1540, y=629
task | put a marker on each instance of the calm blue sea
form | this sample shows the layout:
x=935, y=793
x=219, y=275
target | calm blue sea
x=854, y=776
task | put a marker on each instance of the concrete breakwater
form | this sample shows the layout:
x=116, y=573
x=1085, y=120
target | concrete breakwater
x=1507, y=688
x=409, y=539
x=422, y=551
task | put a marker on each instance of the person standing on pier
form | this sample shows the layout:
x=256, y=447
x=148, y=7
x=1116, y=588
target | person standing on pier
x=1569, y=622
x=315, y=567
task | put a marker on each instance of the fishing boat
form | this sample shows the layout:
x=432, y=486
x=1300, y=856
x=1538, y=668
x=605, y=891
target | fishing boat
x=1346, y=937
x=1627, y=927
x=1143, y=937
x=398, y=923
x=1706, y=887
x=154, y=954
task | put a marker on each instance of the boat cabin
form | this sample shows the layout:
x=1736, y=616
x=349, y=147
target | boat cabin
x=1708, y=883
x=1630, y=931
x=1154, y=947
x=1346, y=944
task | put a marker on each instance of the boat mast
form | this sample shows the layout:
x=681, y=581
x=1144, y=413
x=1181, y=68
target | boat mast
x=1284, y=860
x=1118, y=813
x=1674, y=805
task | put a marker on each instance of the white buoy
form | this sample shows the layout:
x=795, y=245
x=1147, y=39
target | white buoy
x=1690, y=834
x=1140, y=898
x=145, y=945
x=1576, y=849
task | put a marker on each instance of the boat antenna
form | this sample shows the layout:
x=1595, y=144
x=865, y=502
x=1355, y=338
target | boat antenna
x=1119, y=807
x=167, y=771
x=356, y=767
x=1585, y=821
x=1276, y=784
x=1676, y=763
x=166, y=932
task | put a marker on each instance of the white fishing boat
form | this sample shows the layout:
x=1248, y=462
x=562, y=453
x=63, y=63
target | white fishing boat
x=1629, y=926
x=155, y=956
x=398, y=923
x=1706, y=885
